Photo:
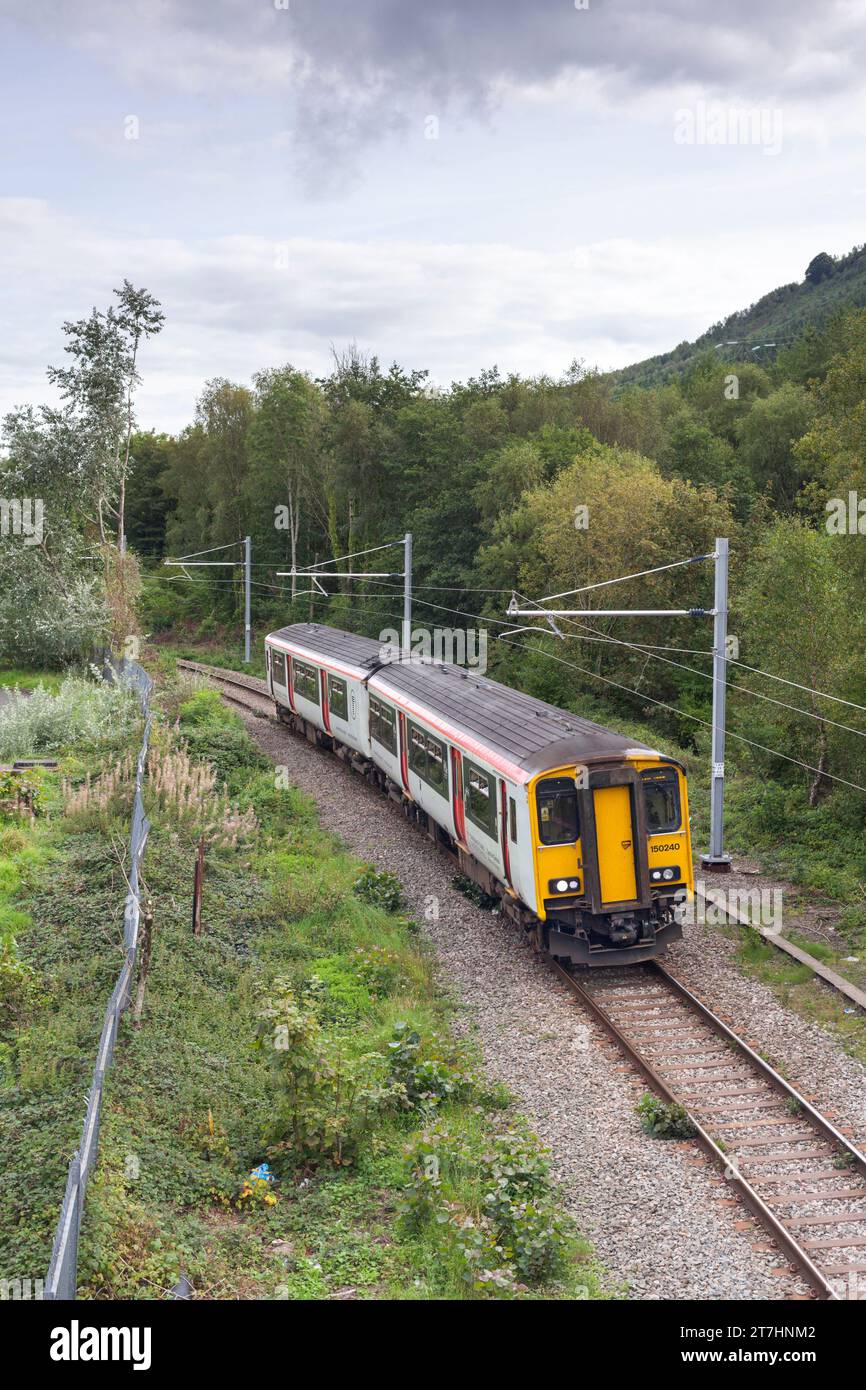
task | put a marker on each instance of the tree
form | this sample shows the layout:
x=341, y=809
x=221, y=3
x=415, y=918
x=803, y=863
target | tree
x=285, y=445
x=767, y=436
x=147, y=506
x=798, y=617
x=99, y=389
x=821, y=267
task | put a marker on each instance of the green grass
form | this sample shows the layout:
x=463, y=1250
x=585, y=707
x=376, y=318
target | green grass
x=219, y=650
x=191, y=1102
x=19, y=679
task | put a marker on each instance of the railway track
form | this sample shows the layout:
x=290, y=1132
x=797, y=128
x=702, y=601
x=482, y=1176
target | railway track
x=796, y=1172
x=799, y=1175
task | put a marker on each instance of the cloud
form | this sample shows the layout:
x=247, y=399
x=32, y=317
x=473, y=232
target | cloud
x=354, y=70
x=236, y=304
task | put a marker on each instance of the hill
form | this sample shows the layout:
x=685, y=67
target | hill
x=831, y=283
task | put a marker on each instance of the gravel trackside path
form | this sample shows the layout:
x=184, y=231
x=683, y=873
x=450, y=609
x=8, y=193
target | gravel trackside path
x=663, y=1223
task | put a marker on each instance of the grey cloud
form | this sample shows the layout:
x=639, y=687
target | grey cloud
x=351, y=73
x=382, y=53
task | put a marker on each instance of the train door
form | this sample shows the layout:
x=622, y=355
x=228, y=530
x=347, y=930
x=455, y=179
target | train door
x=404, y=761
x=457, y=795
x=326, y=714
x=615, y=838
x=503, y=831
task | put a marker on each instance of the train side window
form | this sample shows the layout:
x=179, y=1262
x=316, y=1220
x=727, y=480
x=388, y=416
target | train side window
x=437, y=773
x=278, y=666
x=512, y=819
x=383, y=725
x=558, y=819
x=427, y=759
x=661, y=789
x=480, y=801
x=305, y=681
x=417, y=751
x=338, y=697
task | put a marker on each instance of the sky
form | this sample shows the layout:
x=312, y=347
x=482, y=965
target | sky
x=450, y=185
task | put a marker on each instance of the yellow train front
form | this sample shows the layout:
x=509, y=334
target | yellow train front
x=581, y=835
x=613, y=857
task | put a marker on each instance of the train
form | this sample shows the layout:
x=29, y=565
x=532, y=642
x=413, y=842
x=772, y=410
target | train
x=580, y=834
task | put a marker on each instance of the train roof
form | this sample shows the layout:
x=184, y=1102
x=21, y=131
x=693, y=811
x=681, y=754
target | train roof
x=529, y=733
x=362, y=654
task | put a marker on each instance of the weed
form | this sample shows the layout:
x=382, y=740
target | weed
x=383, y=890
x=664, y=1119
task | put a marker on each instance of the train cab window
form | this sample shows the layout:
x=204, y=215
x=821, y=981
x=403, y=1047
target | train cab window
x=338, y=697
x=512, y=819
x=480, y=798
x=305, y=681
x=661, y=789
x=383, y=725
x=558, y=820
x=278, y=666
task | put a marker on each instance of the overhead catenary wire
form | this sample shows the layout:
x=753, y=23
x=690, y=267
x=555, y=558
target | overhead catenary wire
x=644, y=651
x=353, y=554
x=622, y=578
x=580, y=636
x=705, y=675
x=852, y=704
x=774, y=752
x=195, y=554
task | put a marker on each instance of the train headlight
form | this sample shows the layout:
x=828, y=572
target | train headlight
x=668, y=873
x=564, y=885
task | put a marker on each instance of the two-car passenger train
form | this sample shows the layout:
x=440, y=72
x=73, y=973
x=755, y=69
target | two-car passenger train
x=581, y=834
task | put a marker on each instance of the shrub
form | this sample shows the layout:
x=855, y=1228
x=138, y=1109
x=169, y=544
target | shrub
x=21, y=992
x=664, y=1119
x=517, y=1237
x=20, y=794
x=418, y=1082
x=87, y=713
x=205, y=708
x=228, y=750
x=379, y=969
x=323, y=1100
x=381, y=889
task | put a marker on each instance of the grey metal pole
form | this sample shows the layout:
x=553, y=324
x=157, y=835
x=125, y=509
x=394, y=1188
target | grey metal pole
x=247, y=568
x=407, y=594
x=717, y=859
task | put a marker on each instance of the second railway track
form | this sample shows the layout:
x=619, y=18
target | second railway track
x=798, y=1174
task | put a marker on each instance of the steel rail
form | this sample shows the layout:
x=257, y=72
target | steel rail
x=799, y=1257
